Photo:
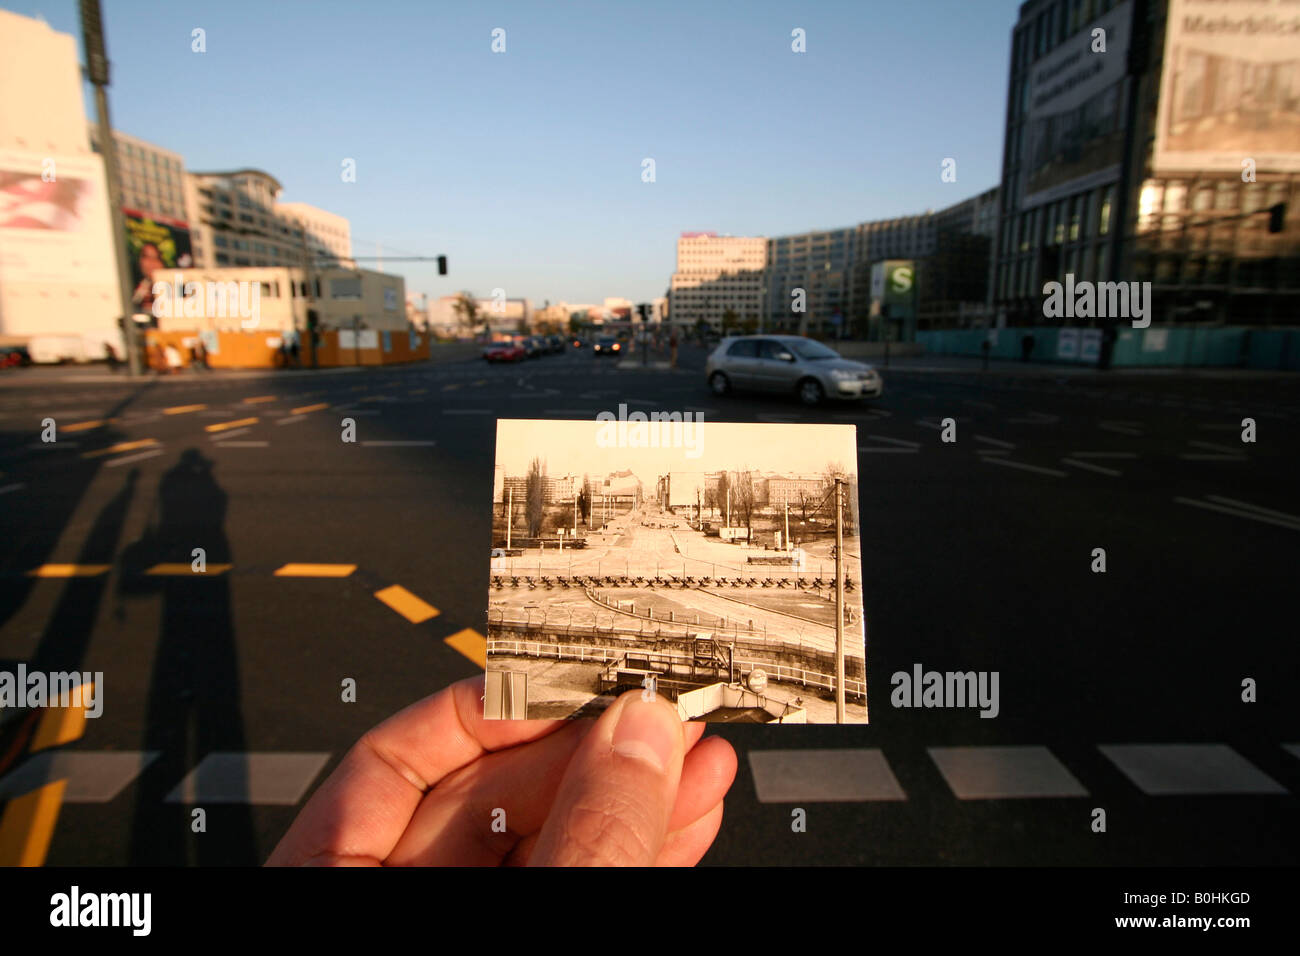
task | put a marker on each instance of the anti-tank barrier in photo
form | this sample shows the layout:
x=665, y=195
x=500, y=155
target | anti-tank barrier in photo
x=799, y=661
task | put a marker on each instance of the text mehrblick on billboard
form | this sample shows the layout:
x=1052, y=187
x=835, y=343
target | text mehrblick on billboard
x=1231, y=86
x=1075, y=115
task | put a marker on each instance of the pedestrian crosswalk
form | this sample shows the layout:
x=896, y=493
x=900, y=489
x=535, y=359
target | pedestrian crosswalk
x=838, y=775
x=1002, y=773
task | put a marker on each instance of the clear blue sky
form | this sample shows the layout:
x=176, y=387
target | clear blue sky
x=524, y=167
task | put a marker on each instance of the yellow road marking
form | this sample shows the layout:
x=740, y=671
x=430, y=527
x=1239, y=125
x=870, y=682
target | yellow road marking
x=28, y=825
x=309, y=408
x=182, y=409
x=417, y=391
x=259, y=399
x=67, y=570
x=226, y=426
x=451, y=387
x=64, y=723
x=187, y=570
x=315, y=570
x=84, y=426
x=407, y=604
x=119, y=447
x=470, y=643
x=481, y=381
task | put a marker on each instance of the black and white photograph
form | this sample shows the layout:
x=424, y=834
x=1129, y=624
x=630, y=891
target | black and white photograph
x=717, y=564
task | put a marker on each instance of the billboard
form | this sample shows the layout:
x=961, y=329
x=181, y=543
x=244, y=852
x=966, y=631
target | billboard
x=893, y=288
x=1073, y=136
x=1230, y=88
x=54, y=224
x=154, y=243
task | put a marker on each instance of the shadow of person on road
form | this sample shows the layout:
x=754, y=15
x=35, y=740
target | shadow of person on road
x=194, y=695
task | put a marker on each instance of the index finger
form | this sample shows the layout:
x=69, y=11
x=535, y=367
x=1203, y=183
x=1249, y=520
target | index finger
x=365, y=805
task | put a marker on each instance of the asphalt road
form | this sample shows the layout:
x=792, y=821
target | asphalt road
x=1119, y=691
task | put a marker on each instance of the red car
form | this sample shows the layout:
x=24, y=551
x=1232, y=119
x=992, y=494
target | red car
x=504, y=352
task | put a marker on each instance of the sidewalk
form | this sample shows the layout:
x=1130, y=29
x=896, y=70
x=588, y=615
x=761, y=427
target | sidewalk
x=965, y=365
x=97, y=373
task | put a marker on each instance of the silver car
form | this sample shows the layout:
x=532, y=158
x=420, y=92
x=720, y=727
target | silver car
x=789, y=363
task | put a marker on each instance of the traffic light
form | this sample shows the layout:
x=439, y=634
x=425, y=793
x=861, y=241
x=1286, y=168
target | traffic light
x=442, y=265
x=1276, y=217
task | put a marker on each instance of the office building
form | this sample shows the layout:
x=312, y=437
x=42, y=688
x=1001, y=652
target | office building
x=718, y=278
x=1155, y=161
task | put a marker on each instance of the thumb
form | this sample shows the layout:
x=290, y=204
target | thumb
x=614, y=803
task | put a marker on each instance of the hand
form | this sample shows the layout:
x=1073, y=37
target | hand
x=637, y=787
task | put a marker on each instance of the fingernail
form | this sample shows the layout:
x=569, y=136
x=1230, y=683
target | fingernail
x=646, y=731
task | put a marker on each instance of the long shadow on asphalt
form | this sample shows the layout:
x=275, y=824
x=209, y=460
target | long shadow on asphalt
x=193, y=709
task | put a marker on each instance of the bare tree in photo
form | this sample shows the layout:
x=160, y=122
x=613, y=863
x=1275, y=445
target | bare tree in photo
x=721, y=497
x=742, y=499
x=833, y=471
x=534, y=498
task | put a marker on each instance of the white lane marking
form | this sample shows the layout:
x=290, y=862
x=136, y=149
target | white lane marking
x=1223, y=449
x=222, y=436
x=467, y=411
x=1055, y=472
x=1291, y=524
x=1035, y=418
x=1166, y=769
x=290, y=420
x=5, y=489
x=823, y=776
x=1114, y=473
x=1250, y=507
x=1120, y=429
x=1103, y=454
x=999, y=773
x=114, y=462
x=243, y=444
x=400, y=444
x=994, y=441
x=900, y=442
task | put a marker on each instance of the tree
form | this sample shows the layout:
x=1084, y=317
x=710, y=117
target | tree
x=742, y=499
x=466, y=310
x=729, y=319
x=534, y=498
x=720, y=496
x=837, y=470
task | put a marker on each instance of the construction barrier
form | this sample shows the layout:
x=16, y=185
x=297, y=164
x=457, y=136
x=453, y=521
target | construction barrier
x=1167, y=346
x=266, y=349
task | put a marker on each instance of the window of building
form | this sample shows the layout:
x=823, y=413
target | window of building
x=1103, y=262
x=1225, y=197
x=1103, y=220
x=1074, y=218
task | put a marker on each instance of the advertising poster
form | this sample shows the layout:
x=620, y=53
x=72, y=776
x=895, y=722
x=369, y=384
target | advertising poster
x=1231, y=87
x=1074, y=129
x=154, y=243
